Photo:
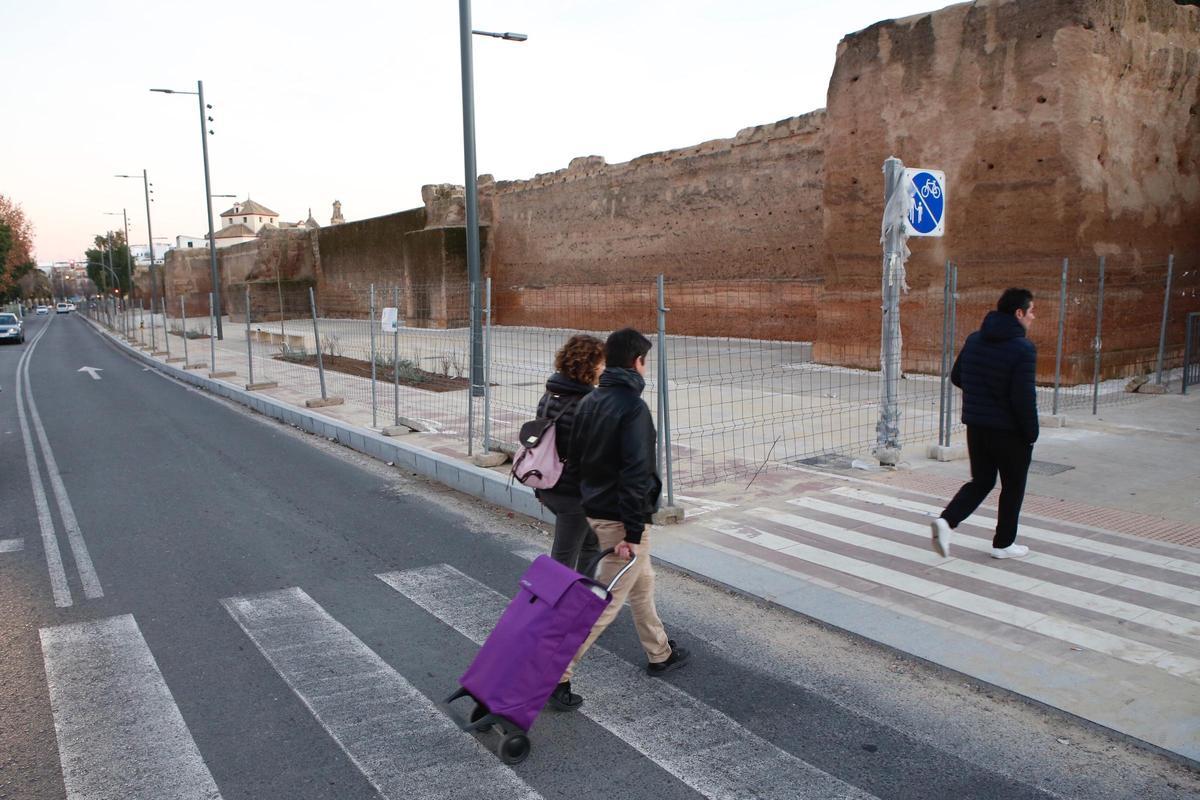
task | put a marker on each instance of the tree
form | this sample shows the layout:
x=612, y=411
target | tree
x=98, y=261
x=16, y=247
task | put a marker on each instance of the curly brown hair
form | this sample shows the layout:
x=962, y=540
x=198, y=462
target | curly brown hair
x=579, y=357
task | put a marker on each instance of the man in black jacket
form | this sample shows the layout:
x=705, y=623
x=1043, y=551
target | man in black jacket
x=613, y=443
x=997, y=372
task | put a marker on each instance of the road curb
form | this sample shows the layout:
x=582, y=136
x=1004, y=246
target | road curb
x=467, y=478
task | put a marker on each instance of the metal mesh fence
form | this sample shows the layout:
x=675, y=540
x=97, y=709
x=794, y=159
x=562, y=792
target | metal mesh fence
x=754, y=380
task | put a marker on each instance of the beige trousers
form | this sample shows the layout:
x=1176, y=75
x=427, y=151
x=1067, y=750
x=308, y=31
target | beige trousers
x=636, y=586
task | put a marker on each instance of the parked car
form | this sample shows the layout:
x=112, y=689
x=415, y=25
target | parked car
x=71, y=306
x=10, y=328
x=42, y=310
x=62, y=308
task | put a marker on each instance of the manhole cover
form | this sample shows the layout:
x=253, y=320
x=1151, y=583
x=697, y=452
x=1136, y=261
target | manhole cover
x=1047, y=468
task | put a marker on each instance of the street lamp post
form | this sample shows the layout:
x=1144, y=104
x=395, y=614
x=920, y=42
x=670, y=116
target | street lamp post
x=474, y=277
x=150, y=239
x=212, y=242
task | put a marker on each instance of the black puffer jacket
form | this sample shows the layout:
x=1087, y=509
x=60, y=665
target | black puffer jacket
x=562, y=398
x=997, y=371
x=615, y=448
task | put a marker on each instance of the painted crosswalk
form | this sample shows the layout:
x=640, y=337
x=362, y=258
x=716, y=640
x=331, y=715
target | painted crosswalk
x=403, y=743
x=718, y=757
x=119, y=731
x=1138, y=606
x=11, y=545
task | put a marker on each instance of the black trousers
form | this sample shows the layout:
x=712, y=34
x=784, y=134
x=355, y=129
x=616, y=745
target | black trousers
x=575, y=543
x=993, y=451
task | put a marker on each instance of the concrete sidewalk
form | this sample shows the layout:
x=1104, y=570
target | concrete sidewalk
x=1102, y=620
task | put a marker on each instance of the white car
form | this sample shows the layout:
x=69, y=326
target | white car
x=42, y=310
x=10, y=328
x=62, y=308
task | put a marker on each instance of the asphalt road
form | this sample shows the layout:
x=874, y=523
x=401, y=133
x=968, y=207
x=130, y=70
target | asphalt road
x=232, y=638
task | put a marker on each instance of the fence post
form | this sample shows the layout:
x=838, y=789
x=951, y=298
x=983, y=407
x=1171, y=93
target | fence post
x=166, y=331
x=1062, y=327
x=1193, y=317
x=183, y=317
x=943, y=434
x=374, y=404
x=1162, y=336
x=953, y=342
x=887, y=447
x=487, y=366
x=312, y=301
x=249, y=344
x=1097, y=343
x=212, y=336
x=664, y=395
x=396, y=358
x=473, y=366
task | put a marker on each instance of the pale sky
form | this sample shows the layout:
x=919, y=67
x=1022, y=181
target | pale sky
x=361, y=101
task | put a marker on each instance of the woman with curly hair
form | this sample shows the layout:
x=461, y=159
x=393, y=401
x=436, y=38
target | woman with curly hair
x=579, y=363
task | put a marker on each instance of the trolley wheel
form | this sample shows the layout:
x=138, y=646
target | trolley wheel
x=513, y=748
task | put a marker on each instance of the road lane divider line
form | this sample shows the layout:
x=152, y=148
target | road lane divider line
x=1074, y=633
x=119, y=730
x=918, y=549
x=79, y=550
x=59, y=587
x=397, y=737
x=701, y=746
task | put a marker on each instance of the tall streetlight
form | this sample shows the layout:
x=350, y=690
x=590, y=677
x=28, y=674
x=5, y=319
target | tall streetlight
x=474, y=277
x=212, y=242
x=146, y=184
x=128, y=258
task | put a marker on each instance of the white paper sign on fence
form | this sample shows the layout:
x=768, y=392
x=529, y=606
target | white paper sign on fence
x=389, y=320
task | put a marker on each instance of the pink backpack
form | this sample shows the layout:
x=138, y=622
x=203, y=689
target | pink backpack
x=536, y=462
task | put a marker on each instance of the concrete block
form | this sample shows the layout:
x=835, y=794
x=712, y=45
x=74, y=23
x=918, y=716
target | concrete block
x=158, y=352
x=176, y=360
x=222, y=374
x=396, y=430
x=1152, y=388
x=328, y=401
x=1052, y=421
x=668, y=515
x=254, y=387
x=197, y=365
x=489, y=459
x=888, y=457
x=508, y=448
x=416, y=424
x=938, y=452
x=1137, y=383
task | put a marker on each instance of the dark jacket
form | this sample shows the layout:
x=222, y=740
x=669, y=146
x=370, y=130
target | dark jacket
x=562, y=398
x=614, y=445
x=997, y=371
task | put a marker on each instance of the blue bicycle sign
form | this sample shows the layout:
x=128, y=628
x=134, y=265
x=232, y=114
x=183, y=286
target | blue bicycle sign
x=928, y=188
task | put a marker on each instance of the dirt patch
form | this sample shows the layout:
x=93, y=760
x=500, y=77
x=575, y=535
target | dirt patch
x=409, y=375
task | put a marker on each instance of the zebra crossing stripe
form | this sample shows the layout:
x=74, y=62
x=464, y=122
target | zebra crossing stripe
x=119, y=731
x=1008, y=578
x=404, y=745
x=11, y=545
x=1074, y=633
x=1036, y=533
x=717, y=757
x=1170, y=591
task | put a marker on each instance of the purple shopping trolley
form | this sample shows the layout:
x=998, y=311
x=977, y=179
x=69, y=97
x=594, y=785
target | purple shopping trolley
x=520, y=664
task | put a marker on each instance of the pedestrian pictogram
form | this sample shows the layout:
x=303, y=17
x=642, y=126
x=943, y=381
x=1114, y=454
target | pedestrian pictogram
x=928, y=188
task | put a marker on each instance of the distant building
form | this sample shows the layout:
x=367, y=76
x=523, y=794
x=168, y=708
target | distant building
x=245, y=222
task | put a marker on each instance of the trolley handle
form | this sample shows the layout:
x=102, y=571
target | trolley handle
x=595, y=563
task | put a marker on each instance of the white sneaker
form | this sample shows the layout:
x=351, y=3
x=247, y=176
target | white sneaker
x=1012, y=551
x=941, y=537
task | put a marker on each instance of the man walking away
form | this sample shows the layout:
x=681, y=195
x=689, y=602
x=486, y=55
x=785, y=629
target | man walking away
x=997, y=372
x=614, y=445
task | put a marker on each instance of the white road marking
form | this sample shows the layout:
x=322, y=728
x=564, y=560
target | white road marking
x=403, y=743
x=699, y=745
x=1147, y=585
x=54, y=565
x=1039, y=534
x=83, y=560
x=91, y=371
x=11, y=545
x=120, y=733
x=1074, y=633
x=1007, y=578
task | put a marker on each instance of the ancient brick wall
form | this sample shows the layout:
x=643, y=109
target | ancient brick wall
x=354, y=255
